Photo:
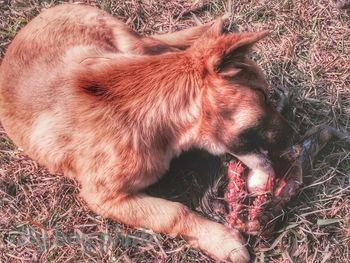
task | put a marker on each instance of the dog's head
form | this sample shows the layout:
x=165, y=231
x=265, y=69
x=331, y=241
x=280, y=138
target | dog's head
x=237, y=115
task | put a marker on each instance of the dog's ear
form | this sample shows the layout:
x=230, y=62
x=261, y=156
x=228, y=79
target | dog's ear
x=216, y=29
x=223, y=54
x=209, y=37
x=228, y=61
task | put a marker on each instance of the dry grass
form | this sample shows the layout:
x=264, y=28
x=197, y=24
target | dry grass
x=308, y=54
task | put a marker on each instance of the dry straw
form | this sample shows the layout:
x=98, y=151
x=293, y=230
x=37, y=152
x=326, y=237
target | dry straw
x=308, y=55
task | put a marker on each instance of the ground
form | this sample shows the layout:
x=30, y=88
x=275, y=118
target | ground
x=43, y=219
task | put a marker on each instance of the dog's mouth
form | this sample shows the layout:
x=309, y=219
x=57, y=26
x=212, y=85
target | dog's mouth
x=289, y=165
x=278, y=162
x=269, y=166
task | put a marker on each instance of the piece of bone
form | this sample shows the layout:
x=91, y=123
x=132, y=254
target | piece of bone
x=259, y=182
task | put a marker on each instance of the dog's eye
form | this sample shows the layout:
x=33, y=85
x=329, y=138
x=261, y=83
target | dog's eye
x=266, y=98
x=263, y=94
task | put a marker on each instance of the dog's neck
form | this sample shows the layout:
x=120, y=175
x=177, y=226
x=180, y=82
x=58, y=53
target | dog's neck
x=157, y=97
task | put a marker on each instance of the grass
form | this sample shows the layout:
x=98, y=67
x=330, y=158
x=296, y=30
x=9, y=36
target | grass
x=308, y=54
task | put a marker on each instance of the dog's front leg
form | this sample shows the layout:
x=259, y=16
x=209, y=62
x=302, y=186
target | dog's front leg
x=140, y=210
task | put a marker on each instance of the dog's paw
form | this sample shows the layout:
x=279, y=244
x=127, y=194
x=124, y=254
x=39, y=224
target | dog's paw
x=223, y=244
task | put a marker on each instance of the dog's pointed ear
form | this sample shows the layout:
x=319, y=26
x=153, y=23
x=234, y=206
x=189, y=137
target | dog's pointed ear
x=229, y=51
x=213, y=32
x=244, y=42
x=216, y=29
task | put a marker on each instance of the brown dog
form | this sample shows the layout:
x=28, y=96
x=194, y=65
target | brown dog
x=87, y=97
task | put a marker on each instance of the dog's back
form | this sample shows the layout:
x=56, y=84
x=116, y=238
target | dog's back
x=39, y=109
x=43, y=54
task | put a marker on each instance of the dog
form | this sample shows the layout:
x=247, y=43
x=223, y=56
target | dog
x=86, y=96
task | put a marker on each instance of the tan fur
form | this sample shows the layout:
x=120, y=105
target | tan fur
x=86, y=96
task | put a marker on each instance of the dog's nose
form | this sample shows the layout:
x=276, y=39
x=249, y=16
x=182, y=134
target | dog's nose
x=285, y=135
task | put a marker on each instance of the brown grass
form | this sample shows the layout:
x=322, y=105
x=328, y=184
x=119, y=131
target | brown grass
x=308, y=55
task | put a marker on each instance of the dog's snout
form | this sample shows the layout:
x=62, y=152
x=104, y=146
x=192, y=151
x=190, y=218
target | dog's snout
x=278, y=135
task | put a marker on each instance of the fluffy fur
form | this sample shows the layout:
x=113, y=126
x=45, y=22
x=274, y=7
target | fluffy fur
x=87, y=97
